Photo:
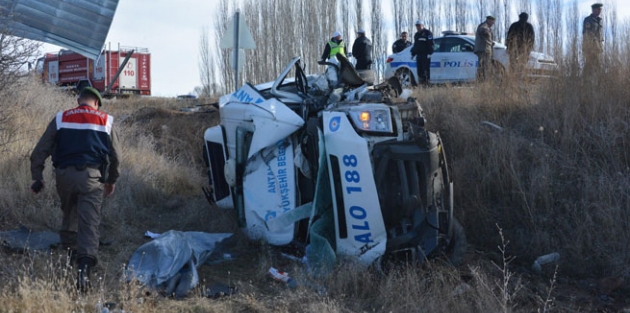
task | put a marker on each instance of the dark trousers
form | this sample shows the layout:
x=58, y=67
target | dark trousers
x=518, y=60
x=484, y=69
x=81, y=197
x=363, y=65
x=424, y=69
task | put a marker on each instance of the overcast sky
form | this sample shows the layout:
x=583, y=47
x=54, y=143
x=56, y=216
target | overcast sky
x=170, y=30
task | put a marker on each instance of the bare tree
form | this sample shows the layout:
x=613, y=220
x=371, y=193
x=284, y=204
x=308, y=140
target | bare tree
x=345, y=22
x=460, y=15
x=16, y=55
x=380, y=37
x=432, y=21
x=226, y=78
x=611, y=24
x=398, y=11
x=498, y=29
x=358, y=5
x=573, y=33
x=448, y=12
x=555, y=28
x=483, y=10
x=541, y=33
x=206, y=65
x=525, y=6
x=507, y=19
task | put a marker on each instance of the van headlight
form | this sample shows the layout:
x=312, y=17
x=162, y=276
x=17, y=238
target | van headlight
x=372, y=120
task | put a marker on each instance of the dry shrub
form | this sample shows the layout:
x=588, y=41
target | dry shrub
x=555, y=177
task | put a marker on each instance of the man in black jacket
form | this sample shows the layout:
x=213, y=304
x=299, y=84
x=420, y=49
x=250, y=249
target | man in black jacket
x=520, y=42
x=423, y=48
x=401, y=44
x=362, y=51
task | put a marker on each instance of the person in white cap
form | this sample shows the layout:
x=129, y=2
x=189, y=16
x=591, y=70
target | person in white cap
x=334, y=46
x=423, y=49
x=362, y=51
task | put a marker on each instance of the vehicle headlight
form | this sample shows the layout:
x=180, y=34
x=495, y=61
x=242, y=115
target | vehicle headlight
x=372, y=120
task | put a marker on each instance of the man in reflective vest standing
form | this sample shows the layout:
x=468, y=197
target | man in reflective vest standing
x=85, y=154
x=334, y=46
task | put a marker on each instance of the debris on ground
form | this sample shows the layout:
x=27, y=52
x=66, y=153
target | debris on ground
x=169, y=262
x=24, y=239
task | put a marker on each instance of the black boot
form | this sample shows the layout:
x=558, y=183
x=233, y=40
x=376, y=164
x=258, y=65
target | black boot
x=83, y=278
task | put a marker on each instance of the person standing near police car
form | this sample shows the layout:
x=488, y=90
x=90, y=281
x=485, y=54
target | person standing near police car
x=593, y=38
x=401, y=44
x=362, y=51
x=520, y=42
x=423, y=49
x=85, y=155
x=483, y=47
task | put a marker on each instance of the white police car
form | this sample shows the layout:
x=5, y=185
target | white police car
x=455, y=61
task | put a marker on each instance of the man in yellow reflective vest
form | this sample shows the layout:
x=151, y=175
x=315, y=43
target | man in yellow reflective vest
x=334, y=46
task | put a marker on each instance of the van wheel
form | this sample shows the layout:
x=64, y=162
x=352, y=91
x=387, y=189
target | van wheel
x=405, y=77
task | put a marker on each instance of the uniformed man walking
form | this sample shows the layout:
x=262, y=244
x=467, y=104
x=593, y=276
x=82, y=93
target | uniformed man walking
x=520, y=42
x=483, y=47
x=362, y=51
x=423, y=49
x=593, y=38
x=85, y=154
x=402, y=43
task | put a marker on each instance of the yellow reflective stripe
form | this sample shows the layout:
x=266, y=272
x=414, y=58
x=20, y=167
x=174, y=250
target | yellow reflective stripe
x=336, y=48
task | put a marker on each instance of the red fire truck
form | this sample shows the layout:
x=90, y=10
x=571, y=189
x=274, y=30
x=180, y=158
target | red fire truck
x=126, y=71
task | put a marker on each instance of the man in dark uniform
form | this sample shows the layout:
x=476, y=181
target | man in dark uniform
x=520, y=42
x=593, y=38
x=362, y=51
x=422, y=49
x=401, y=44
x=85, y=154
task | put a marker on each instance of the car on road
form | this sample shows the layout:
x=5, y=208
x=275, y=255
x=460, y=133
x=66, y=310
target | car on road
x=454, y=61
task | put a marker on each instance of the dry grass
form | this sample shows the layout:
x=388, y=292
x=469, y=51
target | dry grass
x=555, y=178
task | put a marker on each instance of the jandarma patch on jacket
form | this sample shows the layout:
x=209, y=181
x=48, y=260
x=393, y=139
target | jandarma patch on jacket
x=79, y=111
